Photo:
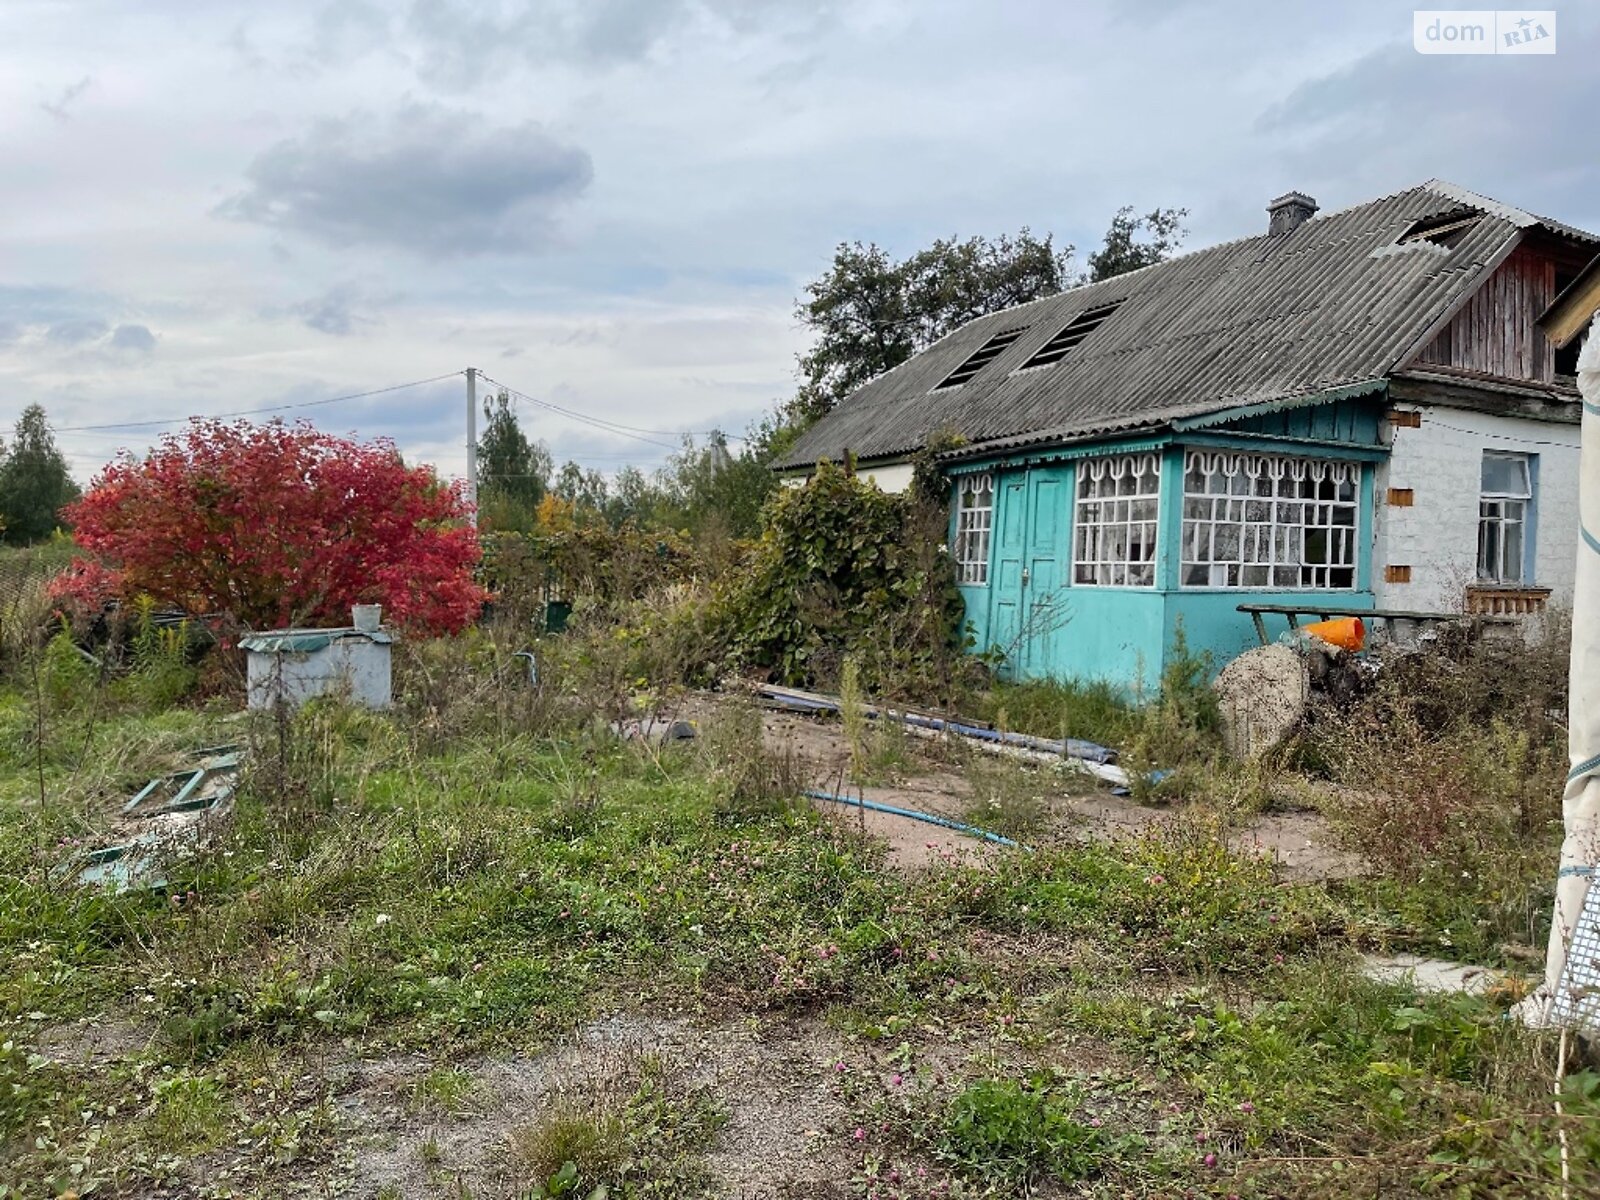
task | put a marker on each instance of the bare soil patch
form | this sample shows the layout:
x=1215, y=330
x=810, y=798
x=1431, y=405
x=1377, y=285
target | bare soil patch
x=783, y=1134
x=1299, y=843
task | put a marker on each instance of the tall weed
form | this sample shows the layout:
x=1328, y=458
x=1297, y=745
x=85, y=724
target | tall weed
x=1452, y=785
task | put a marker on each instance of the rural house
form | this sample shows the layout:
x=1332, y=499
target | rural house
x=1358, y=410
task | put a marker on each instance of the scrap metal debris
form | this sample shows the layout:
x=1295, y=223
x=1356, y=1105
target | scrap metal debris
x=655, y=730
x=1088, y=757
x=168, y=816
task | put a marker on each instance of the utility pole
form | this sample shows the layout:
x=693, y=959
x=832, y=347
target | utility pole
x=472, y=441
x=721, y=460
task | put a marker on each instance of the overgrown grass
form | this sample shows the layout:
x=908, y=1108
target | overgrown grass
x=1176, y=726
x=489, y=866
x=642, y=1131
x=1093, y=710
x=1450, y=771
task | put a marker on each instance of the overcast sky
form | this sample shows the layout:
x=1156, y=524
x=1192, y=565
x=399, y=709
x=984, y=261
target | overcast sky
x=612, y=204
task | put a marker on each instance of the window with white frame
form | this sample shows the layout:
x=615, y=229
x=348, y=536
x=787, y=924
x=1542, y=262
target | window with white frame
x=1115, y=520
x=1504, y=500
x=1264, y=521
x=974, y=519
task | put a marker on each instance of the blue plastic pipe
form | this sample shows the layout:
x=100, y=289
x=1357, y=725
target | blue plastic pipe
x=915, y=815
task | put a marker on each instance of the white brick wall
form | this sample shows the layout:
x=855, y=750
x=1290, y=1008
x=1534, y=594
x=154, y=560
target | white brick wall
x=890, y=477
x=1438, y=536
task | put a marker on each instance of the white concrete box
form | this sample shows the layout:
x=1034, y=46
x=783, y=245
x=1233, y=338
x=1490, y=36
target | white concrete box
x=293, y=665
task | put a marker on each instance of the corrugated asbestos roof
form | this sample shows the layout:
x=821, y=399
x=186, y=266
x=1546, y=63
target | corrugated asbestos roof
x=1332, y=304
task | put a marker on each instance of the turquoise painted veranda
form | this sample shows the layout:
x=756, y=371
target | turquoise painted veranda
x=1077, y=585
x=1151, y=450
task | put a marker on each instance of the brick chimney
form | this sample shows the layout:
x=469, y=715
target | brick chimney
x=1290, y=211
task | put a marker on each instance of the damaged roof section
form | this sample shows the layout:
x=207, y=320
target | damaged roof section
x=1261, y=319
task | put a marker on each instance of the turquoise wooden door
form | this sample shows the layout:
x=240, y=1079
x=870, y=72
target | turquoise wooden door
x=1030, y=563
x=1005, y=613
x=1048, y=557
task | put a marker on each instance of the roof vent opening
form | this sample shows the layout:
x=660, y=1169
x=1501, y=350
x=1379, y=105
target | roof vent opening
x=1445, y=229
x=1288, y=212
x=981, y=357
x=1071, y=335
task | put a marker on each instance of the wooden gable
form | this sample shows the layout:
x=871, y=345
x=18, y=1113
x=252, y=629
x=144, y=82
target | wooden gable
x=1496, y=331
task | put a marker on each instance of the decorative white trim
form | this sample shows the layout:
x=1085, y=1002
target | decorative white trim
x=1269, y=522
x=1116, y=520
x=974, y=522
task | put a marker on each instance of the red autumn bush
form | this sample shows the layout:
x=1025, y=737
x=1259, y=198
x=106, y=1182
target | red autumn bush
x=276, y=525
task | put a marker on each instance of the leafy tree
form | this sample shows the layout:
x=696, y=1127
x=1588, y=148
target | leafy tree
x=276, y=525
x=1123, y=251
x=513, y=472
x=584, y=490
x=869, y=313
x=34, y=483
x=709, y=489
x=633, y=497
x=846, y=570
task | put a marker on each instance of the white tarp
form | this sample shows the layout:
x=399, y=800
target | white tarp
x=1581, y=799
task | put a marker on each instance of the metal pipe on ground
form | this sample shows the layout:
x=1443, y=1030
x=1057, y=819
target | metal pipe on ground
x=1088, y=757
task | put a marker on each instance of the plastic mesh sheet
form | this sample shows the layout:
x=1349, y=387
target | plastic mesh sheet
x=1577, y=998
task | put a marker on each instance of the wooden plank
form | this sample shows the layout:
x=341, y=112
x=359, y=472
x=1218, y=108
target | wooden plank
x=1449, y=319
x=1569, y=314
x=1547, y=402
x=1328, y=611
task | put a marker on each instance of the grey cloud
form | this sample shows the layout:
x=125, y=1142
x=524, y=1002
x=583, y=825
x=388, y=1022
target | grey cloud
x=1394, y=118
x=344, y=30
x=428, y=179
x=462, y=43
x=58, y=108
x=333, y=312
x=328, y=316
x=134, y=339
x=75, y=331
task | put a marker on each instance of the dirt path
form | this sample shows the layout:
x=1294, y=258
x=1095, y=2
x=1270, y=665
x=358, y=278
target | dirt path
x=783, y=1135
x=1299, y=843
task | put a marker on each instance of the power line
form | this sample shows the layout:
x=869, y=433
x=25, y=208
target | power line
x=596, y=422
x=633, y=431
x=251, y=412
x=1502, y=437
